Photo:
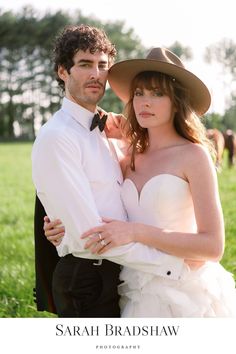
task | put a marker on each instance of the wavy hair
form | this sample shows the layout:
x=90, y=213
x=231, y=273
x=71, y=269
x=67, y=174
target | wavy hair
x=75, y=38
x=187, y=124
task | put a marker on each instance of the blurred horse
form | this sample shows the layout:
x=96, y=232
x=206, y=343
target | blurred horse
x=219, y=143
x=230, y=145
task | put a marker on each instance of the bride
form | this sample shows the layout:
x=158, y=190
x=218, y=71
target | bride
x=170, y=192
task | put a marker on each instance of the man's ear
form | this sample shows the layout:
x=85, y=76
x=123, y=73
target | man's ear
x=62, y=73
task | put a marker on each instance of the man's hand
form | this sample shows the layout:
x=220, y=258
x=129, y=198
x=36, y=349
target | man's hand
x=53, y=230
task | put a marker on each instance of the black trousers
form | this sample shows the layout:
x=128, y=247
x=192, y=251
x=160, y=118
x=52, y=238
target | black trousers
x=46, y=259
x=83, y=289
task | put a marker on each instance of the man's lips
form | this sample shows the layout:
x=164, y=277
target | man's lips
x=96, y=87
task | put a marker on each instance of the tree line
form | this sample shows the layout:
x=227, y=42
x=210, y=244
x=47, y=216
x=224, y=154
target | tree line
x=29, y=93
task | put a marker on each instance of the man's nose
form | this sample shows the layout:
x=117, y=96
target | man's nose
x=95, y=73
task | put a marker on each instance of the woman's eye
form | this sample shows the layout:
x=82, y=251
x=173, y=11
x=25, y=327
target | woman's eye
x=158, y=93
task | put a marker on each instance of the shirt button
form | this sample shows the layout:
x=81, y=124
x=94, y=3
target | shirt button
x=168, y=272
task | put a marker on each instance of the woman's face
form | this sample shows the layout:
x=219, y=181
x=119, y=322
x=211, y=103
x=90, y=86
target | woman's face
x=152, y=107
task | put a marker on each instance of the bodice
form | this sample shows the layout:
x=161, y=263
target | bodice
x=165, y=201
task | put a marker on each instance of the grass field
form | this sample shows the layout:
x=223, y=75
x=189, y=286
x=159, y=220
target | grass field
x=16, y=229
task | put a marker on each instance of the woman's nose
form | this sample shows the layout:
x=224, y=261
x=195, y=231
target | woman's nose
x=146, y=102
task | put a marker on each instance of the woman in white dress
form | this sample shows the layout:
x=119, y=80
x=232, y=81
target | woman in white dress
x=170, y=192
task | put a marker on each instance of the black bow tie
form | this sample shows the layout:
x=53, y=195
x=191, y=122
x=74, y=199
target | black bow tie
x=98, y=122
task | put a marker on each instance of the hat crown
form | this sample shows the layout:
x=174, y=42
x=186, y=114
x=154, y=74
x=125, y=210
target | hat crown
x=164, y=55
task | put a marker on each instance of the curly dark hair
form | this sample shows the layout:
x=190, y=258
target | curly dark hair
x=75, y=38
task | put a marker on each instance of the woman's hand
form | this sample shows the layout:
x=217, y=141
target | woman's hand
x=53, y=230
x=111, y=234
x=114, y=125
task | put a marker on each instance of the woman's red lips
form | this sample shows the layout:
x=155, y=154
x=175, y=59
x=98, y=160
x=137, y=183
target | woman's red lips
x=145, y=114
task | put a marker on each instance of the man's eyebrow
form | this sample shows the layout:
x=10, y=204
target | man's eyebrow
x=91, y=61
x=84, y=61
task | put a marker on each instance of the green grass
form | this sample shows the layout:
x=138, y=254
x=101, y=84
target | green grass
x=16, y=229
x=16, y=235
x=227, y=186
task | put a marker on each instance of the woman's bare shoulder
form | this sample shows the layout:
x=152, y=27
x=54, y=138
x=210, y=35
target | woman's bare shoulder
x=195, y=151
x=197, y=161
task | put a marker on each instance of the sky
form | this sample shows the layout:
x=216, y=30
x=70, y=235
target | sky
x=196, y=24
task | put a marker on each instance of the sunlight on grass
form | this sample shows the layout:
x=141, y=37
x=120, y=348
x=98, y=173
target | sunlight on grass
x=16, y=224
x=16, y=237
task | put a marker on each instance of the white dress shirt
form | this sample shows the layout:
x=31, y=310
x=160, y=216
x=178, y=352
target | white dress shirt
x=77, y=177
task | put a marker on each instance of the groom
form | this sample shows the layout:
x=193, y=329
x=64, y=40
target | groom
x=78, y=178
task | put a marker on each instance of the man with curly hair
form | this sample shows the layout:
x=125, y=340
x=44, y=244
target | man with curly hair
x=78, y=178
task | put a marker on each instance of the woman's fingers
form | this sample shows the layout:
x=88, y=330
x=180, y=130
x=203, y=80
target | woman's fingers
x=97, y=242
x=91, y=232
x=93, y=240
x=107, y=220
x=100, y=247
x=97, y=229
x=105, y=248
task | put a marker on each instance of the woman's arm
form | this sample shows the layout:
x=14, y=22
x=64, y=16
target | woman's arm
x=206, y=244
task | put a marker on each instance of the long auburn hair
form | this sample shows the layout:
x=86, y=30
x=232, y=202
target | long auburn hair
x=186, y=122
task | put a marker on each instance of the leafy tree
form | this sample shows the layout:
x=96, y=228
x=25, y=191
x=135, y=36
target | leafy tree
x=224, y=53
x=27, y=82
x=111, y=103
x=29, y=93
x=229, y=118
x=182, y=52
x=214, y=120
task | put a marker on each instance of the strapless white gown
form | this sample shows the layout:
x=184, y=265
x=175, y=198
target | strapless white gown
x=165, y=201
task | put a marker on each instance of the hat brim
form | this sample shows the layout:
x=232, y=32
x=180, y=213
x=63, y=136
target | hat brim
x=121, y=75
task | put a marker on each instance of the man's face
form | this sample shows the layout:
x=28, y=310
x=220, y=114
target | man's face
x=85, y=84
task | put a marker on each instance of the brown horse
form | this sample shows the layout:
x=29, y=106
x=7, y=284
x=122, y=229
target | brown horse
x=219, y=143
x=230, y=145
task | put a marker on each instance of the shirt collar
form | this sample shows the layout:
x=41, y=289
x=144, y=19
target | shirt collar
x=79, y=113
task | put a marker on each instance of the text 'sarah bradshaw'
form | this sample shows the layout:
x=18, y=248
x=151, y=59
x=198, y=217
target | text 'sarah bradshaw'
x=113, y=330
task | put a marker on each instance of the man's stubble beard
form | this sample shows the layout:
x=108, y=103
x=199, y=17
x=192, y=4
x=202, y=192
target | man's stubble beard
x=88, y=99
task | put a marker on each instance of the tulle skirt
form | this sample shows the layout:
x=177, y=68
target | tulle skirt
x=206, y=292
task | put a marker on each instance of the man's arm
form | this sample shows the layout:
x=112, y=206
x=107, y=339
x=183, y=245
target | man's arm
x=65, y=192
x=64, y=189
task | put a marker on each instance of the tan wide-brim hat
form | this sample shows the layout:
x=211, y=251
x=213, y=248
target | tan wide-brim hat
x=162, y=60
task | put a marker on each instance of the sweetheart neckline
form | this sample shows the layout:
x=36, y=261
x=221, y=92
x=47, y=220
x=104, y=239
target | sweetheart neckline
x=139, y=193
